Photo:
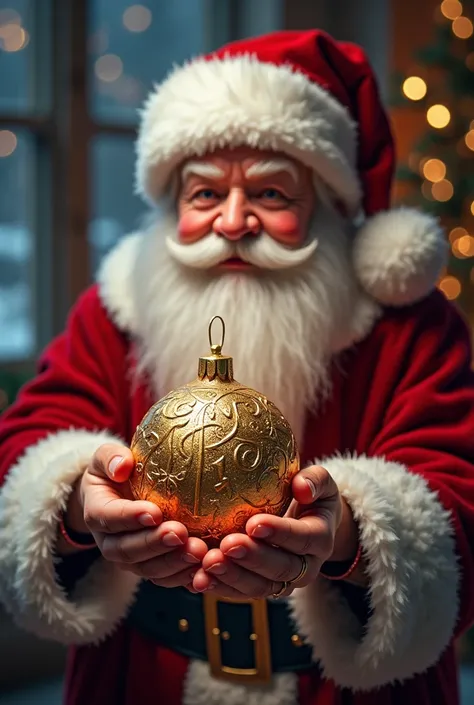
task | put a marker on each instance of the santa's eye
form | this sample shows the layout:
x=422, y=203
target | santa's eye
x=272, y=197
x=206, y=194
x=271, y=193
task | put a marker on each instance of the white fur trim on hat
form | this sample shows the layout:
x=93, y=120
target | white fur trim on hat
x=408, y=543
x=398, y=256
x=206, y=105
x=31, y=500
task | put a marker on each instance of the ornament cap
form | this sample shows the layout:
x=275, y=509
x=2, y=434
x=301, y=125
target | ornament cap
x=216, y=365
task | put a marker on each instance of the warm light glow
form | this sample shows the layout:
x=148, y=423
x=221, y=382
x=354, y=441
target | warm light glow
x=470, y=61
x=108, y=68
x=465, y=245
x=13, y=37
x=442, y=190
x=469, y=139
x=462, y=27
x=414, y=88
x=438, y=116
x=450, y=287
x=434, y=170
x=472, y=208
x=137, y=18
x=8, y=143
x=451, y=9
x=457, y=233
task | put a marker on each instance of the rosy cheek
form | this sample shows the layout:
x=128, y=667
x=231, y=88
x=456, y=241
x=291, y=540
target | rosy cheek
x=193, y=224
x=285, y=226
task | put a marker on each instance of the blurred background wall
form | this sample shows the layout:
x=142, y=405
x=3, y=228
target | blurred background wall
x=73, y=74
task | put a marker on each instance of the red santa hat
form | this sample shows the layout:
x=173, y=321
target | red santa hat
x=315, y=99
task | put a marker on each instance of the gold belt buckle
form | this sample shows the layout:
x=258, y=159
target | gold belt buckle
x=260, y=638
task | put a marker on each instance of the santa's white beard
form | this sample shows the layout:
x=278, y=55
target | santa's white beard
x=282, y=327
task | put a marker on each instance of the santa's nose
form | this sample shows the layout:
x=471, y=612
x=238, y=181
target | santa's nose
x=236, y=218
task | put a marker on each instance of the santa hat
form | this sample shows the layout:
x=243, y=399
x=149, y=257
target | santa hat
x=315, y=99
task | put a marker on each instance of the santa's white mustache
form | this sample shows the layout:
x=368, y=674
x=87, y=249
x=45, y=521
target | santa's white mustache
x=260, y=250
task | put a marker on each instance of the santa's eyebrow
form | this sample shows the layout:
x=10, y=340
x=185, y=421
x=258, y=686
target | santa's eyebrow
x=206, y=170
x=272, y=166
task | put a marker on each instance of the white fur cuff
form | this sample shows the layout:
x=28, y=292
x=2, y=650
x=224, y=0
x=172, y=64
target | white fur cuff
x=409, y=548
x=34, y=494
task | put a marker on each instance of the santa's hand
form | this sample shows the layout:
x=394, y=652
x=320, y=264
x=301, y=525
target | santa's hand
x=132, y=532
x=258, y=564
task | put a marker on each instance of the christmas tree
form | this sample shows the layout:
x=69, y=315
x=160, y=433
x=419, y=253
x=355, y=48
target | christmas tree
x=439, y=174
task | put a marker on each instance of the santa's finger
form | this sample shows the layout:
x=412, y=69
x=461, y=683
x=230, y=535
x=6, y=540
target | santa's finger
x=112, y=460
x=107, y=512
x=249, y=583
x=272, y=563
x=135, y=547
x=180, y=579
x=312, y=484
x=312, y=534
x=165, y=566
x=204, y=582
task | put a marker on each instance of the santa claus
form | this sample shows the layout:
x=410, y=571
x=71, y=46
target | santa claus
x=268, y=167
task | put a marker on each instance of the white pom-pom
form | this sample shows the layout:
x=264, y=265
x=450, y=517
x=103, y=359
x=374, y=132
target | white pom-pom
x=398, y=256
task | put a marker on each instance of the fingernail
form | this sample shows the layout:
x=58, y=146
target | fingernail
x=172, y=539
x=262, y=532
x=146, y=520
x=211, y=586
x=236, y=552
x=217, y=569
x=189, y=558
x=114, y=463
x=312, y=488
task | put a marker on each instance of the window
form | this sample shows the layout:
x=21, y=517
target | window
x=25, y=105
x=74, y=74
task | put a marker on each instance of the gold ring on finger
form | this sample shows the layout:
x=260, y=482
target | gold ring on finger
x=302, y=573
x=280, y=592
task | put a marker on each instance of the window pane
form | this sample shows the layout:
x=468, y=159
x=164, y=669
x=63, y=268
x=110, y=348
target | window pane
x=115, y=209
x=17, y=335
x=133, y=46
x=24, y=55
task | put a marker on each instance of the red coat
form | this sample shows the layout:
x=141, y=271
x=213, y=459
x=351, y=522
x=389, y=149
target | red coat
x=402, y=416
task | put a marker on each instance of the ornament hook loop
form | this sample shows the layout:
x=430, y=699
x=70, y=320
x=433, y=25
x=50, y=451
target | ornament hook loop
x=216, y=349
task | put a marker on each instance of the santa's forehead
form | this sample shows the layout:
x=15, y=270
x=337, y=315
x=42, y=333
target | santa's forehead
x=239, y=154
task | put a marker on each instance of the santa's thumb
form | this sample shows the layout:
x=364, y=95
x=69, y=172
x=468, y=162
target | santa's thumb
x=113, y=461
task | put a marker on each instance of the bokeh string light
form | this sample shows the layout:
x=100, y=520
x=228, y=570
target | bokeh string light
x=8, y=143
x=414, y=88
x=438, y=116
x=112, y=79
x=451, y=9
x=462, y=27
x=13, y=36
x=440, y=162
x=108, y=67
x=137, y=18
x=434, y=170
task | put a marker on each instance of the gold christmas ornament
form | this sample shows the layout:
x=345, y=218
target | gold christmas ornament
x=213, y=453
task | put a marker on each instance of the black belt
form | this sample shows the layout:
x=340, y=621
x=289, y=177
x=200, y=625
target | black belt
x=243, y=641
